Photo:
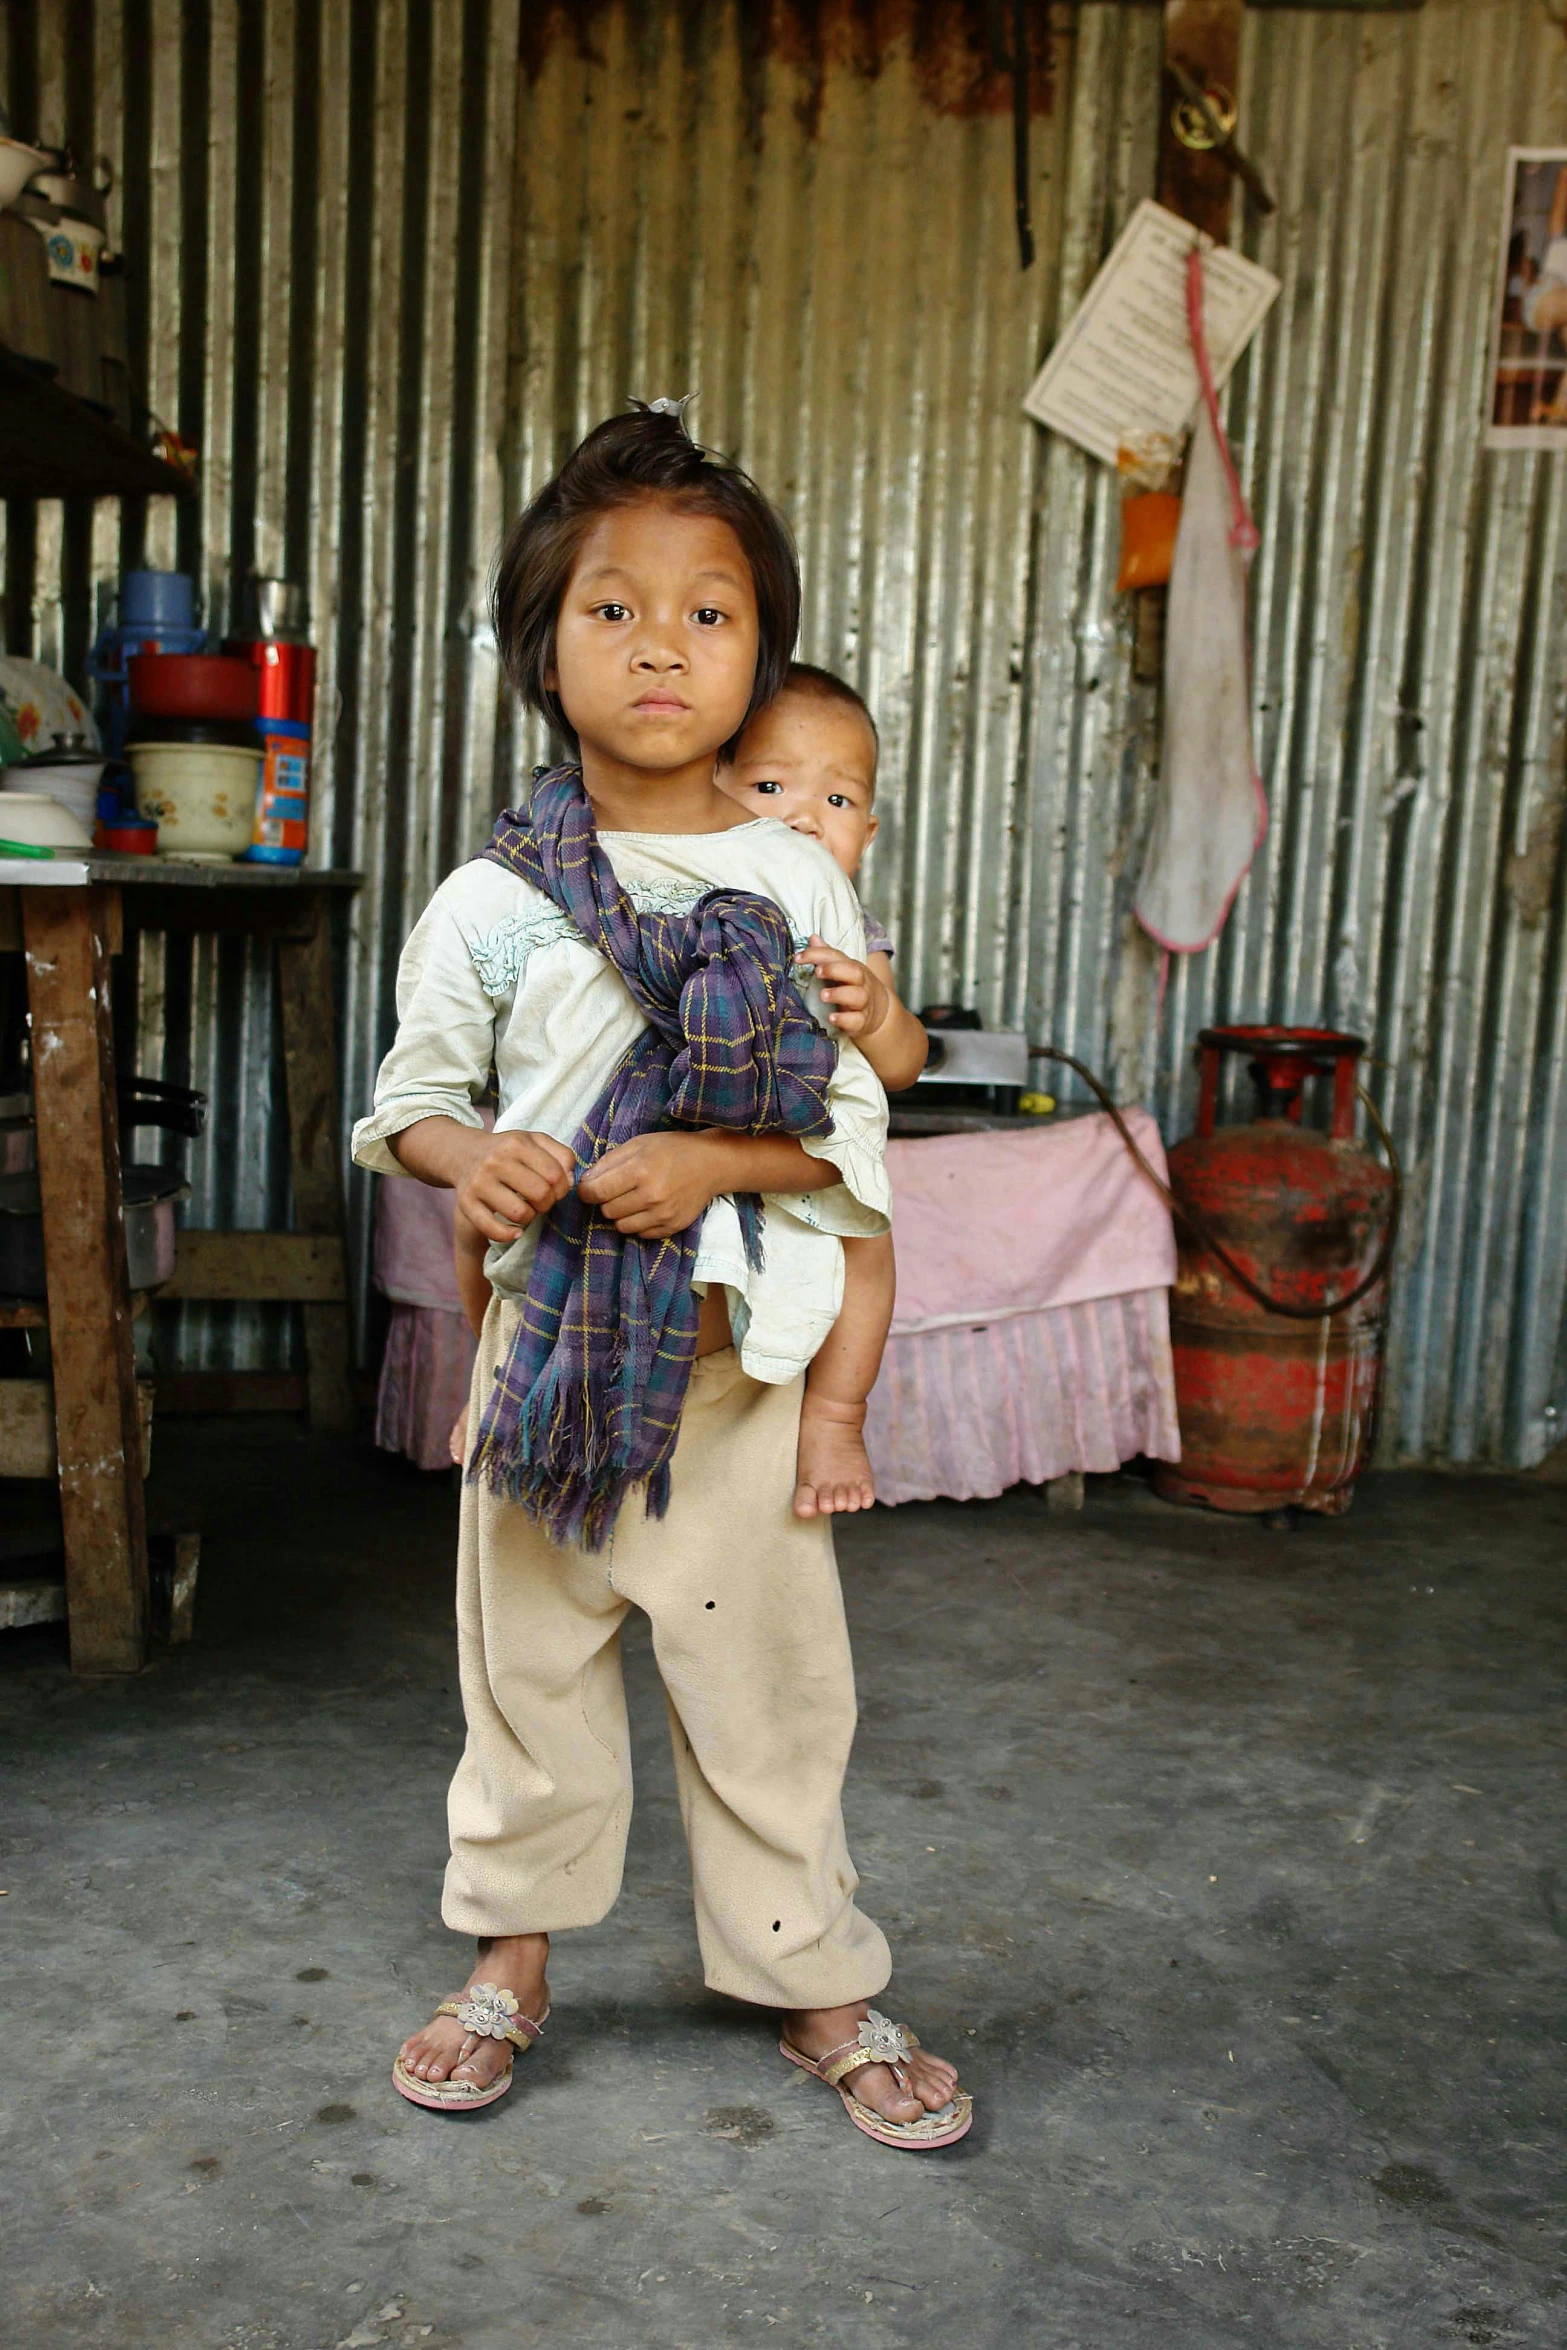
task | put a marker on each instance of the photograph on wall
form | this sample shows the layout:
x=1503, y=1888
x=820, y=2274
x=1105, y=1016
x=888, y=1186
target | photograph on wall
x=1528, y=378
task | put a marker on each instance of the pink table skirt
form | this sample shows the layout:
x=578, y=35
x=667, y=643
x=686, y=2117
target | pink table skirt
x=960, y=1413
x=963, y=1414
x=429, y=1349
x=1031, y=1336
x=424, y=1383
x=1006, y=1363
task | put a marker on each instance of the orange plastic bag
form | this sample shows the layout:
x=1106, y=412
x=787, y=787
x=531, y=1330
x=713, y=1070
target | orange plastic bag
x=1149, y=522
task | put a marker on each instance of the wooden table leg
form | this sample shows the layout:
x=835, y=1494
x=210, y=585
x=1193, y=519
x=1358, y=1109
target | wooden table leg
x=310, y=1062
x=67, y=937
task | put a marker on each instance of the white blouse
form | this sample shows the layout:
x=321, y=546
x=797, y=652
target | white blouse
x=495, y=973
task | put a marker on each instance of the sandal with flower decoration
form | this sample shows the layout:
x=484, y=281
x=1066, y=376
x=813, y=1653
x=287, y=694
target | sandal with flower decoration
x=883, y=2042
x=489, y=2013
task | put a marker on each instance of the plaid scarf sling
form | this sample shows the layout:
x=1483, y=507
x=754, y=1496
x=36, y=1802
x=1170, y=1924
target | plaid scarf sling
x=587, y=1403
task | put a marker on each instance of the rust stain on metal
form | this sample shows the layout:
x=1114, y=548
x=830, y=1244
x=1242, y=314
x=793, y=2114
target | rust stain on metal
x=1532, y=871
x=953, y=44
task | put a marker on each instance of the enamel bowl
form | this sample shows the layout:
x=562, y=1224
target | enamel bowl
x=34, y=818
x=201, y=796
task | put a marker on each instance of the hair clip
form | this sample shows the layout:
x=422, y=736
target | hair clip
x=675, y=408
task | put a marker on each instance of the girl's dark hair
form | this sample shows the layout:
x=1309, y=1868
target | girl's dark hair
x=805, y=678
x=629, y=457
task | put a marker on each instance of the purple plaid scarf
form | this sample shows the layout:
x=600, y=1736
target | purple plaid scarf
x=587, y=1403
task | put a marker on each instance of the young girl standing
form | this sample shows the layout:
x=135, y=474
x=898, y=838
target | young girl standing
x=621, y=956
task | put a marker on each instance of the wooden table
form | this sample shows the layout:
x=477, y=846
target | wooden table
x=67, y=916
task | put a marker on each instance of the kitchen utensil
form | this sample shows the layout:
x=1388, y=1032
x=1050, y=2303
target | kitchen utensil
x=282, y=829
x=40, y=704
x=25, y=848
x=72, y=194
x=69, y=773
x=151, y=1196
x=26, y=326
x=154, y=602
x=141, y=1101
x=38, y=821
x=191, y=685
x=72, y=245
x=157, y=614
x=71, y=249
x=127, y=836
x=18, y=162
x=152, y=1101
x=286, y=673
x=201, y=795
x=239, y=734
x=277, y=608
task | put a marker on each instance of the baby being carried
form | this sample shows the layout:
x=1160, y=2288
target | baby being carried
x=809, y=761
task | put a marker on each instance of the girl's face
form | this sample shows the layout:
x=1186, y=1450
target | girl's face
x=655, y=643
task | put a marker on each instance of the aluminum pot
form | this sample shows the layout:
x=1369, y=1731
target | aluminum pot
x=151, y=1197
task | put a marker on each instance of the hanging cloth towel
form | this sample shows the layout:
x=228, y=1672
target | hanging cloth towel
x=1211, y=815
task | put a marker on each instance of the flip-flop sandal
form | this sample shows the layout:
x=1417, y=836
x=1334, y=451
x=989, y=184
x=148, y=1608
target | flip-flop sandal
x=490, y=2014
x=883, y=2042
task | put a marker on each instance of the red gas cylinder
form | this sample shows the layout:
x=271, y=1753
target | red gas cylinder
x=1278, y=1401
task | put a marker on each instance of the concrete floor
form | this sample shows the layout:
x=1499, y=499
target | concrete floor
x=1226, y=1862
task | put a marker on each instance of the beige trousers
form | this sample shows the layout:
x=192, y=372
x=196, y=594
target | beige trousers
x=749, y=1633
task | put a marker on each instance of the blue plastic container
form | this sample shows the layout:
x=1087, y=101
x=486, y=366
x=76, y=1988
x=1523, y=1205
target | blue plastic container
x=154, y=601
x=157, y=615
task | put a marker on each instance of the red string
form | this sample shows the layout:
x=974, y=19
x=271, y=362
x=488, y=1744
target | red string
x=1243, y=531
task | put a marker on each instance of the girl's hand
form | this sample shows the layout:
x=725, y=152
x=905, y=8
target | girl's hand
x=857, y=1003
x=515, y=1178
x=657, y=1185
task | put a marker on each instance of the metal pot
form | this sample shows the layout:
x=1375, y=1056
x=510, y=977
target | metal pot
x=18, y=162
x=151, y=1196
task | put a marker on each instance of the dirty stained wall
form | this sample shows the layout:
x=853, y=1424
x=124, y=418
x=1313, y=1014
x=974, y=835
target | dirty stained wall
x=391, y=260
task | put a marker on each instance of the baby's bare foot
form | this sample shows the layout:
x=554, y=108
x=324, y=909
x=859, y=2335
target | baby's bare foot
x=816, y=2031
x=514, y=1961
x=834, y=1469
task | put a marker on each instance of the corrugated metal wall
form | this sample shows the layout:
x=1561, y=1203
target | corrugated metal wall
x=395, y=258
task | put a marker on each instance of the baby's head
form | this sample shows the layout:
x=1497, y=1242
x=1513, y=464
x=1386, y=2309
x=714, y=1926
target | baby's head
x=809, y=758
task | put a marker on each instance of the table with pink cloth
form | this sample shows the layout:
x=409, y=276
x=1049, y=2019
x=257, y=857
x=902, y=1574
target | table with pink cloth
x=429, y=1348
x=1031, y=1336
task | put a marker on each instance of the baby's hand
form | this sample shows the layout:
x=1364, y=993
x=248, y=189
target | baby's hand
x=518, y=1177
x=857, y=1003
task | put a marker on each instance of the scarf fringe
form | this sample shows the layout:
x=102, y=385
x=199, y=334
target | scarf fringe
x=564, y=1466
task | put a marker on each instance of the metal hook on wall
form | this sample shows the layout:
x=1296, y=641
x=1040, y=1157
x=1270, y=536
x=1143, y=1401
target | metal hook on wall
x=1205, y=119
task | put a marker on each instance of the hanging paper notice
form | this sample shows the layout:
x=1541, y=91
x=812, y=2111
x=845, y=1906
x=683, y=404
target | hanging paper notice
x=1124, y=366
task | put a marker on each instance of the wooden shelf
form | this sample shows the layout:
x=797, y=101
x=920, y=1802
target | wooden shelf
x=53, y=445
x=31, y=1313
